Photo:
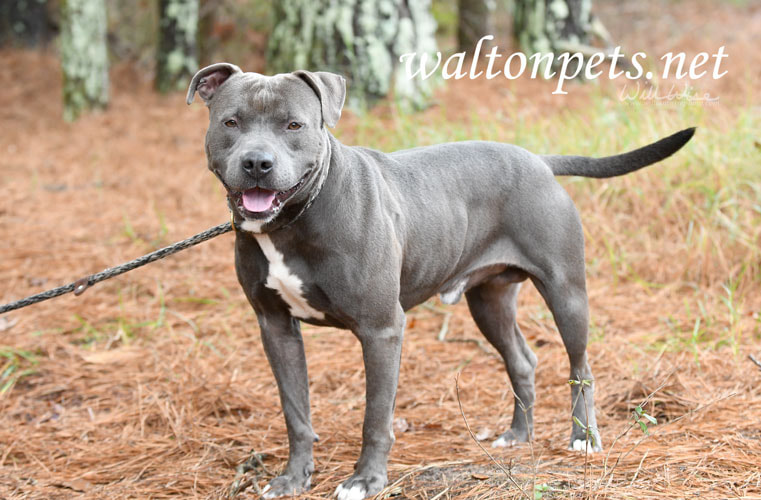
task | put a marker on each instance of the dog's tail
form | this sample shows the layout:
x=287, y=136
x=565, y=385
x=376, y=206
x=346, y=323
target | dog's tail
x=611, y=166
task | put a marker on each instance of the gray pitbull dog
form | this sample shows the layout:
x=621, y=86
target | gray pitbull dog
x=352, y=238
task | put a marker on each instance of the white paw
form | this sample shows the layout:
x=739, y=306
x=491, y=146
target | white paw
x=356, y=492
x=268, y=495
x=265, y=490
x=582, y=445
x=503, y=443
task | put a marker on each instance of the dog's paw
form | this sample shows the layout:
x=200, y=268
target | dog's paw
x=359, y=487
x=510, y=438
x=503, y=442
x=587, y=446
x=286, y=486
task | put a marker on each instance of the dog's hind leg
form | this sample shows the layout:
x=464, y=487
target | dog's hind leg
x=550, y=239
x=493, y=306
x=564, y=290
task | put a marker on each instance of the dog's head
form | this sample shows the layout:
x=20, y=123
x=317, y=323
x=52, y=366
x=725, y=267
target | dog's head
x=267, y=140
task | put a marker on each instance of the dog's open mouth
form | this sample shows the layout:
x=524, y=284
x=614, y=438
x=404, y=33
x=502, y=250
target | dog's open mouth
x=260, y=203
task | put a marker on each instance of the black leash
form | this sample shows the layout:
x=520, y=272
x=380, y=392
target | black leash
x=79, y=286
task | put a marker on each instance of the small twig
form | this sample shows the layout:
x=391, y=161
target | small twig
x=586, y=439
x=473, y=436
x=755, y=361
x=441, y=493
x=444, y=327
x=442, y=336
x=626, y=431
x=660, y=428
x=530, y=428
x=445, y=324
x=578, y=396
x=639, y=468
x=647, y=399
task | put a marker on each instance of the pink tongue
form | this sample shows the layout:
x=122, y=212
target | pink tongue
x=258, y=200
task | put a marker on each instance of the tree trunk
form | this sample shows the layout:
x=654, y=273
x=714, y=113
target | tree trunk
x=552, y=26
x=25, y=22
x=84, y=58
x=176, y=56
x=207, y=17
x=475, y=21
x=360, y=39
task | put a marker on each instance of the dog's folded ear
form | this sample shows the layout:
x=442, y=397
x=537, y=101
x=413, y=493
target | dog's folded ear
x=209, y=79
x=331, y=89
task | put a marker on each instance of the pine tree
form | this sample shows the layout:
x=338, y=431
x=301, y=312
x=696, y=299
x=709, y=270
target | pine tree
x=84, y=57
x=360, y=39
x=553, y=26
x=475, y=21
x=24, y=22
x=176, y=59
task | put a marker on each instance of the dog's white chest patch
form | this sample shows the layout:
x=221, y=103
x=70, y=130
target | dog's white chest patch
x=284, y=282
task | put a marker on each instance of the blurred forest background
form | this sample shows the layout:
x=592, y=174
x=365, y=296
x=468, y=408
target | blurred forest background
x=169, y=40
x=155, y=385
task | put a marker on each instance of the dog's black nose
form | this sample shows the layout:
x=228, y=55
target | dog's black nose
x=257, y=162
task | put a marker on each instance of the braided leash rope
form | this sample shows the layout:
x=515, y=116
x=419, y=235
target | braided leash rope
x=79, y=286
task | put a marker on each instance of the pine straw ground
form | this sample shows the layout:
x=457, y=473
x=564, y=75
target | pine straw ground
x=154, y=384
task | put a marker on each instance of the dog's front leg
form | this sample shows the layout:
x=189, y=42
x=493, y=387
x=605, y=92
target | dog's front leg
x=281, y=337
x=381, y=351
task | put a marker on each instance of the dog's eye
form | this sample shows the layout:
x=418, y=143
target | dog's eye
x=231, y=123
x=294, y=126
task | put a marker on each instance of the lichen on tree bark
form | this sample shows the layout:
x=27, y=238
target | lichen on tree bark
x=552, y=26
x=84, y=57
x=360, y=39
x=176, y=59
